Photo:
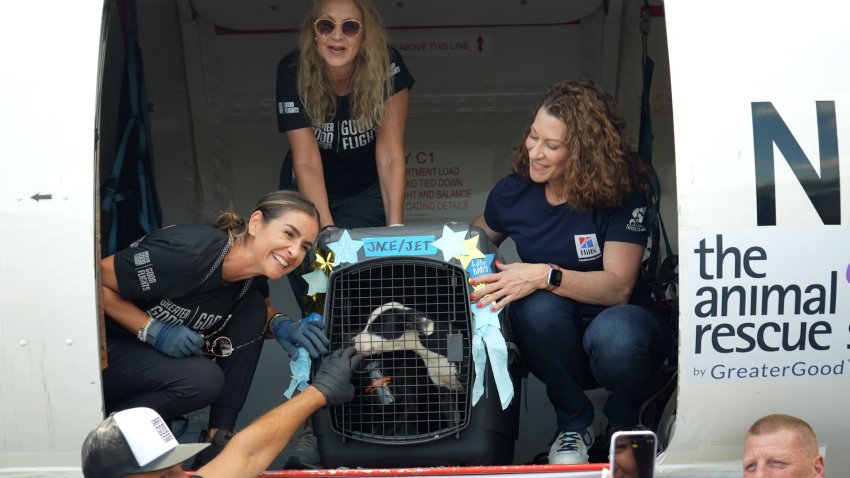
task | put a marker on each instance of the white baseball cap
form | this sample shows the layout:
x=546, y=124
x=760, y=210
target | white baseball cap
x=133, y=441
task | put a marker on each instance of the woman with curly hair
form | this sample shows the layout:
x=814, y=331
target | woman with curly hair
x=342, y=101
x=575, y=207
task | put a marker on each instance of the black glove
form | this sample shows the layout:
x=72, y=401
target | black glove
x=333, y=378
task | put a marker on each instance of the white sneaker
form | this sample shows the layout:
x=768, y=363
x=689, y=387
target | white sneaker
x=570, y=448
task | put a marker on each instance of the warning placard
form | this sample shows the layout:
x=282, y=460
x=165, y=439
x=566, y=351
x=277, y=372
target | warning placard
x=449, y=44
x=447, y=184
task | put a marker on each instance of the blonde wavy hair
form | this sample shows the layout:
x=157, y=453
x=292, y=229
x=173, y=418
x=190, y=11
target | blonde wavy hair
x=601, y=168
x=371, y=82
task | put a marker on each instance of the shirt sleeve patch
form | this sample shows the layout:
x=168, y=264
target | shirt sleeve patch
x=637, y=222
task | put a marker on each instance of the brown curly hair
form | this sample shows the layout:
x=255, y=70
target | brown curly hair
x=601, y=168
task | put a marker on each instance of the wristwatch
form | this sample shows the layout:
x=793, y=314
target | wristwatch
x=554, y=277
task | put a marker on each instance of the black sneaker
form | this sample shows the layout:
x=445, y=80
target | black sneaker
x=305, y=451
x=218, y=442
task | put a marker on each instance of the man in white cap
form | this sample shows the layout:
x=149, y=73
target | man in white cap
x=138, y=443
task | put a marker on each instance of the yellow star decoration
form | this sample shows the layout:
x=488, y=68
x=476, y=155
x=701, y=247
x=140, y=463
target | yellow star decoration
x=479, y=286
x=472, y=252
x=314, y=303
x=324, y=261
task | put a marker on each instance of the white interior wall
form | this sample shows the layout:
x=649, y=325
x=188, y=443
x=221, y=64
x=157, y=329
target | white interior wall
x=49, y=354
x=216, y=139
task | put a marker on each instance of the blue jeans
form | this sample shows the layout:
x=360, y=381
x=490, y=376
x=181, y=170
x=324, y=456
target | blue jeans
x=622, y=346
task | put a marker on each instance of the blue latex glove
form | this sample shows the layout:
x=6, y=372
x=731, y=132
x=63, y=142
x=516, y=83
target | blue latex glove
x=306, y=333
x=174, y=340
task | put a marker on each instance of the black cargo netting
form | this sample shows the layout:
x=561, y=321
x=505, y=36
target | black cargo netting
x=415, y=385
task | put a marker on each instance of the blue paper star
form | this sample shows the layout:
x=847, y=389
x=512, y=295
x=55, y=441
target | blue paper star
x=318, y=282
x=451, y=243
x=481, y=266
x=345, y=249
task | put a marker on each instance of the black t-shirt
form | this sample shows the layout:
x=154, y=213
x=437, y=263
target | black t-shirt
x=348, y=153
x=174, y=274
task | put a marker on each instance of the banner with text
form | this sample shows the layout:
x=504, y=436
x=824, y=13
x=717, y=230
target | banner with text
x=768, y=304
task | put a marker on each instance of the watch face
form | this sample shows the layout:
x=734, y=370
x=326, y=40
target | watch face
x=554, y=277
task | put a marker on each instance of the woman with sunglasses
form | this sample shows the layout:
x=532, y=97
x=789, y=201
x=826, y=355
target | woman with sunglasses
x=342, y=100
x=183, y=295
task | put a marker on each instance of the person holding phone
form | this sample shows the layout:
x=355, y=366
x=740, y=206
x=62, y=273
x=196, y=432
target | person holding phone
x=633, y=454
x=187, y=310
x=575, y=207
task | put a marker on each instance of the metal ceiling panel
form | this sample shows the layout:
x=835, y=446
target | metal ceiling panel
x=287, y=14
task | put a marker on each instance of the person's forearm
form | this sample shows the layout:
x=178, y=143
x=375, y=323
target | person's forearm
x=123, y=311
x=593, y=287
x=251, y=450
x=389, y=156
x=393, y=179
x=115, y=306
x=611, y=286
x=311, y=183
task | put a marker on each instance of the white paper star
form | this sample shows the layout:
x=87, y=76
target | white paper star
x=451, y=243
x=345, y=249
x=318, y=282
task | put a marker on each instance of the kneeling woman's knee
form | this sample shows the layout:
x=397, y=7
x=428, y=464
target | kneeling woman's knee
x=202, y=381
x=622, y=333
x=539, y=313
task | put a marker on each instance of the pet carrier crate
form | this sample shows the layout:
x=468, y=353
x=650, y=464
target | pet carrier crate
x=401, y=295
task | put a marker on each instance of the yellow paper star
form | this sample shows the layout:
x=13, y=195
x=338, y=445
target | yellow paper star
x=472, y=251
x=313, y=303
x=324, y=261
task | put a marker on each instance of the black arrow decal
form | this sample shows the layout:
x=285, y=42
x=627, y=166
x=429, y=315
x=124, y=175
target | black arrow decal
x=38, y=196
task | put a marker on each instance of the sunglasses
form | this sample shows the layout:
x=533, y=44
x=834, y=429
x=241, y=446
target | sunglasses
x=325, y=27
x=222, y=346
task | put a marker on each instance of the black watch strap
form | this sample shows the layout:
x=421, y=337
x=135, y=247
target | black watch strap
x=554, y=278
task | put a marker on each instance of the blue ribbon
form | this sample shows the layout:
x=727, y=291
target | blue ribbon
x=300, y=368
x=488, y=333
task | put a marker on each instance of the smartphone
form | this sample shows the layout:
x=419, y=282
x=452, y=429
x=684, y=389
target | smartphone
x=633, y=454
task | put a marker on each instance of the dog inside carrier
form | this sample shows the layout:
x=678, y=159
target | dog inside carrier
x=401, y=297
